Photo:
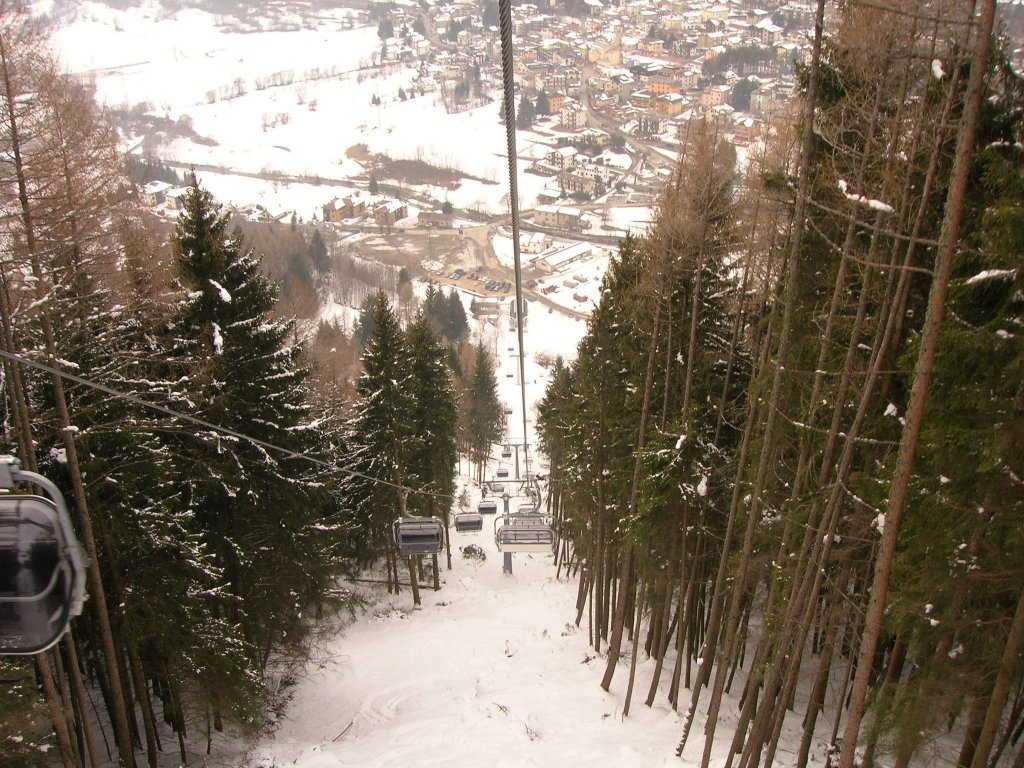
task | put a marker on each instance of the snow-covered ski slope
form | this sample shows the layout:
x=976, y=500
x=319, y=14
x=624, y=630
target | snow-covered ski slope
x=491, y=670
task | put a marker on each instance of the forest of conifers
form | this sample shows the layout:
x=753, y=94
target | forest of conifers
x=222, y=471
x=787, y=459
x=789, y=456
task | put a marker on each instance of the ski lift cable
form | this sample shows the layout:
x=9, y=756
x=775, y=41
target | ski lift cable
x=214, y=427
x=508, y=93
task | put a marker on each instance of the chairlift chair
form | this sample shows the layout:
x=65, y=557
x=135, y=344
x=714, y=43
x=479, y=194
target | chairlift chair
x=524, y=536
x=487, y=507
x=501, y=474
x=506, y=452
x=496, y=487
x=42, y=567
x=418, y=536
x=467, y=522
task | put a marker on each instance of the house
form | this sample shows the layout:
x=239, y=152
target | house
x=670, y=104
x=534, y=242
x=648, y=124
x=176, y=197
x=153, y=193
x=555, y=103
x=348, y=207
x=436, y=219
x=575, y=182
x=389, y=211
x=660, y=85
x=713, y=95
x=559, y=217
x=562, y=157
x=572, y=116
x=747, y=130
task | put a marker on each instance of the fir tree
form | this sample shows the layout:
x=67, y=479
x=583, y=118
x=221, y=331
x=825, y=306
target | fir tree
x=482, y=416
x=525, y=114
x=380, y=431
x=256, y=510
x=318, y=253
x=432, y=453
x=543, y=105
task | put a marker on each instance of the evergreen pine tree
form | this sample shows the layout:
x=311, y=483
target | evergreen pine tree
x=256, y=510
x=483, y=419
x=432, y=453
x=543, y=105
x=525, y=114
x=318, y=253
x=380, y=432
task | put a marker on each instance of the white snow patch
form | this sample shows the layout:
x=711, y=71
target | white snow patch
x=937, y=71
x=992, y=274
x=218, y=340
x=876, y=205
x=891, y=410
x=224, y=295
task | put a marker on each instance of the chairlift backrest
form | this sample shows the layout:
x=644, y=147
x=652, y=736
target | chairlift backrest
x=466, y=522
x=487, y=507
x=525, y=536
x=502, y=473
x=42, y=571
x=418, y=536
x=497, y=487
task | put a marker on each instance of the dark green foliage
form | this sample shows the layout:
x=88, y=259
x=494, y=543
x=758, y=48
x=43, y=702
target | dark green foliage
x=318, y=253
x=481, y=416
x=432, y=453
x=385, y=29
x=525, y=113
x=740, y=96
x=490, y=13
x=543, y=107
x=381, y=430
x=363, y=327
x=25, y=734
x=257, y=511
x=446, y=315
x=739, y=58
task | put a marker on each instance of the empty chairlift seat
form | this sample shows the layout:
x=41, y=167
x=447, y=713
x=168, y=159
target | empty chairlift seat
x=496, y=487
x=466, y=522
x=525, y=536
x=502, y=474
x=506, y=452
x=418, y=535
x=487, y=507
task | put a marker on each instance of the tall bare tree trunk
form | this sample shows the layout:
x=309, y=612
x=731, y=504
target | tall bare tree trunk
x=922, y=379
x=1000, y=690
x=119, y=713
x=625, y=586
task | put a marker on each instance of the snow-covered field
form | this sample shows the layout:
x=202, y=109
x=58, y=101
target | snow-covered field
x=287, y=102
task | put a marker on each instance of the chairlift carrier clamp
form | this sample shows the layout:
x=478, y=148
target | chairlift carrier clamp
x=34, y=622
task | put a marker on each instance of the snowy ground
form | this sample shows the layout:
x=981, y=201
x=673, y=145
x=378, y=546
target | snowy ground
x=295, y=112
x=491, y=671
